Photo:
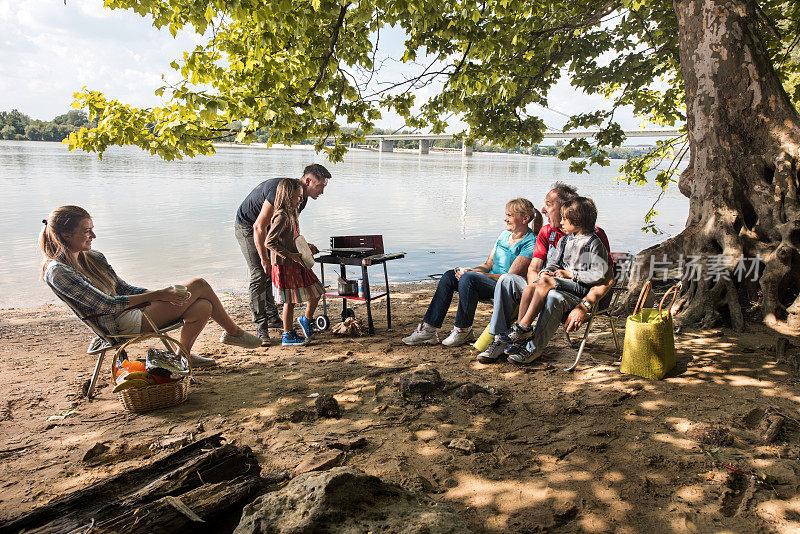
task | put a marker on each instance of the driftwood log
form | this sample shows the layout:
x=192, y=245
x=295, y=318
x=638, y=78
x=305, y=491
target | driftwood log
x=182, y=492
x=770, y=427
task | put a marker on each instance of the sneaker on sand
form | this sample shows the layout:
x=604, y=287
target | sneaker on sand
x=291, y=339
x=246, y=340
x=200, y=362
x=516, y=334
x=263, y=334
x=514, y=348
x=423, y=334
x=523, y=356
x=493, y=352
x=458, y=336
x=306, y=326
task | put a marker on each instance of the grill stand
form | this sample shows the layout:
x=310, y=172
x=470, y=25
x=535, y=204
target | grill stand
x=343, y=262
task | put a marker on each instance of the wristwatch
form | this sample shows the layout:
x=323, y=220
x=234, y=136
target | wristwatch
x=586, y=304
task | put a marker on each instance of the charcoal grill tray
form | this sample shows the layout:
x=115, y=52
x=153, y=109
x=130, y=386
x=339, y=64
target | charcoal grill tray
x=353, y=252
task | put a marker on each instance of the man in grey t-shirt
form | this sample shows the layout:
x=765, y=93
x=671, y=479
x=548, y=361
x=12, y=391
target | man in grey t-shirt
x=251, y=227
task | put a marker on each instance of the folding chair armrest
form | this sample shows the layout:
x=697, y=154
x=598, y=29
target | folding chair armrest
x=92, y=317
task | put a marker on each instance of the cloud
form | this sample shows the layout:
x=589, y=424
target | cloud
x=50, y=50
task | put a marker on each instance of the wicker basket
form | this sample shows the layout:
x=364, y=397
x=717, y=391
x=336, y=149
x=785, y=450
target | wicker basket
x=159, y=395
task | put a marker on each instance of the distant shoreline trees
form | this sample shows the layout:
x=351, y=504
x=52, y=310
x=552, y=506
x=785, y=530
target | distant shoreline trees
x=16, y=126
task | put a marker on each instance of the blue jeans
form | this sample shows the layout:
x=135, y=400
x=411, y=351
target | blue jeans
x=508, y=293
x=565, y=285
x=471, y=287
x=556, y=305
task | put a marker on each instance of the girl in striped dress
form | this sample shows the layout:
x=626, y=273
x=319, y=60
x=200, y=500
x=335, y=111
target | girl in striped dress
x=292, y=282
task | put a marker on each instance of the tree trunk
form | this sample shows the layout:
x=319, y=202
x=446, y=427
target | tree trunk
x=742, y=177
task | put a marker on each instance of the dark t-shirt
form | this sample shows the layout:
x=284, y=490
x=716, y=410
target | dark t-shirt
x=248, y=212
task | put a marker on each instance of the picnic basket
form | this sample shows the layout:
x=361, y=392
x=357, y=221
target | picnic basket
x=649, y=346
x=157, y=396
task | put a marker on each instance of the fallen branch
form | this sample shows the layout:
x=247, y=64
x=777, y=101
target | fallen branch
x=773, y=425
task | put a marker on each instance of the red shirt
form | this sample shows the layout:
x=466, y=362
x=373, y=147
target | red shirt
x=548, y=237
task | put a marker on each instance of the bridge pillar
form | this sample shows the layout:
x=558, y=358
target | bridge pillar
x=424, y=146
x=466, y=150
x=387, y=145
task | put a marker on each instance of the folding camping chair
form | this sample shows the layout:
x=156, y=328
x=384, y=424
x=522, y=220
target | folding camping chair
x=608, y=307
x=105, y=342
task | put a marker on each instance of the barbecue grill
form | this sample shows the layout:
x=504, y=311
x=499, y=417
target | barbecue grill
x=356, y=250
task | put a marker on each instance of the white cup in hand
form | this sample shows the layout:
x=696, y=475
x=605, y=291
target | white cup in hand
x=182, y=290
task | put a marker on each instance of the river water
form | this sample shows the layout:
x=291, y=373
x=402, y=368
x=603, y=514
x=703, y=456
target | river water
x=161, y=222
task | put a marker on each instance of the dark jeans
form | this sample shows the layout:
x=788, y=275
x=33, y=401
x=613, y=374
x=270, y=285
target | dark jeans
x=471, y=287
x=262, y=303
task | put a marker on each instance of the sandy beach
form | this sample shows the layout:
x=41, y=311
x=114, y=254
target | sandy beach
x=587, y=451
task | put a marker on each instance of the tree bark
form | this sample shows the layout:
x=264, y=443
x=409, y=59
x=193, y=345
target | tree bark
x=191, y=512
x=214, y=478
x=742, y=177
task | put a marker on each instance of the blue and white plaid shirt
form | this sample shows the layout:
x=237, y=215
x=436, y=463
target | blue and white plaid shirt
x=87, y=298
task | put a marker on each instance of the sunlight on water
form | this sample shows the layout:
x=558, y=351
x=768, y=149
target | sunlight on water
x=160, y=222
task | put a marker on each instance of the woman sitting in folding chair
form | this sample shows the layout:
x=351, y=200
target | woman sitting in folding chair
x=83, y=276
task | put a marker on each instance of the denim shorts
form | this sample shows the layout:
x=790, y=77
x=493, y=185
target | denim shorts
x=571, y=286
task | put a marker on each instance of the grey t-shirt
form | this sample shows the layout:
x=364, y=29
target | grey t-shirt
x=248, y=212
x=589, y=266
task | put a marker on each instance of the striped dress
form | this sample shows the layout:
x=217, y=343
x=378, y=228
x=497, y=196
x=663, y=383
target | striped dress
x=294, y=283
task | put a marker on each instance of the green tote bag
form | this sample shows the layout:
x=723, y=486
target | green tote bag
x=649, y=348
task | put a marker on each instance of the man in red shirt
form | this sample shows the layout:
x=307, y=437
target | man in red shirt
x=508, y=290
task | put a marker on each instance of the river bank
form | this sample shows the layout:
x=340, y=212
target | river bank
x=590, y=451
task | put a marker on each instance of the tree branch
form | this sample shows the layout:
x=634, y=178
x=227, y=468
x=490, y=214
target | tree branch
x=766, y=21
x=329, y=54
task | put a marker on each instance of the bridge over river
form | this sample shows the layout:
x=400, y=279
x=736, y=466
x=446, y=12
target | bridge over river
x=386, y=141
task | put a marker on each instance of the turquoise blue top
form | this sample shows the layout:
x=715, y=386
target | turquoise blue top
x=504, y=255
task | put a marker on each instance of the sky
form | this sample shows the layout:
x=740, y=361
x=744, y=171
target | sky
x=49, y=50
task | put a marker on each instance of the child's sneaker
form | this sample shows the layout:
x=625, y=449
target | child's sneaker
x=514, y=348
x=458, y=336
x=306, y=326
x=291, y=339
x=423, y=334
x=516, y=334
x=522, y=356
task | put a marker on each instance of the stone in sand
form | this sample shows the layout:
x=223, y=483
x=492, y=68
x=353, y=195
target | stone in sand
x=96, y=450
x=345, y=500
x=419, y=382
x=469, y=390
x=462, y=445
x=319, y=462
x=327, y=406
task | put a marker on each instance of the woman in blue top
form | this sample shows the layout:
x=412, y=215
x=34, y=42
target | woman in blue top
x=511, y=254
